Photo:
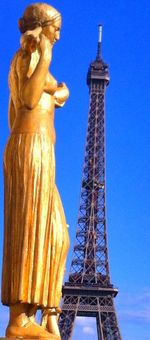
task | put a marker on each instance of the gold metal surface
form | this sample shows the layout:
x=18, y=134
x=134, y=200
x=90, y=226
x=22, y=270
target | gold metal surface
x=36, y=238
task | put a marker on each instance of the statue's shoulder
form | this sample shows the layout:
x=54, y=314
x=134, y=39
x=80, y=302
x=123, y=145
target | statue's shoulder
x=12, y=72
x=19, y=64
x=15, y=60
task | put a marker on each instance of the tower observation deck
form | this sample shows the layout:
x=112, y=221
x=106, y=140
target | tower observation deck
x=89, y=291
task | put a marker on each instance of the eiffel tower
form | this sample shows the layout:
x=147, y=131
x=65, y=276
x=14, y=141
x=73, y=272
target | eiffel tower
x=89, y=291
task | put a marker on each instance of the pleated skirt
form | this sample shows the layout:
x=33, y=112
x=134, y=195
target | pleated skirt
x=36, y=238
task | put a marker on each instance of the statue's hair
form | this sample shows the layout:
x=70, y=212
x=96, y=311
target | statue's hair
x=37, y=15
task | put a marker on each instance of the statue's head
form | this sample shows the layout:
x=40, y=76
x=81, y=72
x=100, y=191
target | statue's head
x=44, y=16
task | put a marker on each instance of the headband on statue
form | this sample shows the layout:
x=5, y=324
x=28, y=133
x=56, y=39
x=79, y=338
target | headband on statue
x=31, y=24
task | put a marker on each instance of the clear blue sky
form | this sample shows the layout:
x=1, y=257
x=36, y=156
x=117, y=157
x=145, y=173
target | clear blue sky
x=126, y=49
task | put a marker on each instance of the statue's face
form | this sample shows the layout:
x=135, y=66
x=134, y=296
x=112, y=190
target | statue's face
x=52, y=31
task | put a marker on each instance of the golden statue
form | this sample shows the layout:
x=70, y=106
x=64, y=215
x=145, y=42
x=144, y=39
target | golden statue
x=36, y=238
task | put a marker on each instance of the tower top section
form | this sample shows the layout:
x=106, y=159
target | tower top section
x=98, y=70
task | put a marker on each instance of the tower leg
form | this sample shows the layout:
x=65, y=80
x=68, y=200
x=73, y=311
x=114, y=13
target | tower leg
x=99, y=327
x=66, y=323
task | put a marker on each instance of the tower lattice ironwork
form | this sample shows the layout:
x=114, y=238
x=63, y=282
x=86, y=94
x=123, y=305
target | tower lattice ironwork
x=88, y=291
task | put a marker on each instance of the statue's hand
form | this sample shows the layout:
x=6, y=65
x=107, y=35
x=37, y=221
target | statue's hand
x=65, y=90
x=63, y=86
x=29, y=40
x=61, y=94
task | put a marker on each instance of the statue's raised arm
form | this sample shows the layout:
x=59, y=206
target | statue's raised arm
x=35, y=234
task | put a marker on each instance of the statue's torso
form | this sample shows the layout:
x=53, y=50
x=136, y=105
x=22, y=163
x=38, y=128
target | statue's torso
x=41, y=118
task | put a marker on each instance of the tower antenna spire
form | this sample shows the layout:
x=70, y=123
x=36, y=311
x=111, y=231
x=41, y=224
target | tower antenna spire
x=99, y=47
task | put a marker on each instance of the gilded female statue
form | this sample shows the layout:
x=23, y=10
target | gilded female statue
x=36, y=238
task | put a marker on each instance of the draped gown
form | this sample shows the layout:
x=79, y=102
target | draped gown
x=35, y=233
